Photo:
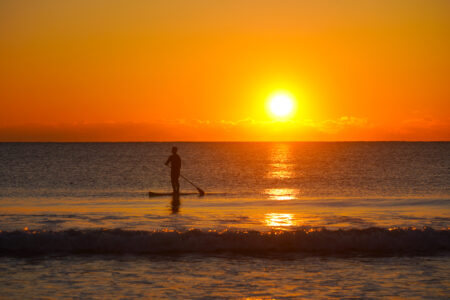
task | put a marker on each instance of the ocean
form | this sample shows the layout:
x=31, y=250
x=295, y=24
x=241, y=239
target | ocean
x=278, y=221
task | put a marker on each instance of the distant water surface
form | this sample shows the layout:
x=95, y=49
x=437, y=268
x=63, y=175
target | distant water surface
x=249, y=185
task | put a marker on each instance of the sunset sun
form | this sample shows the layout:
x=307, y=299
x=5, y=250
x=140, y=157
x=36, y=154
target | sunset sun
x=281, y=105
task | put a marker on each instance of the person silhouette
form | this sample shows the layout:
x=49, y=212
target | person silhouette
x=175, y=166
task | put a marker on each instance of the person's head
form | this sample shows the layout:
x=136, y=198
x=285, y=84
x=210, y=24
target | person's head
x=174, y=150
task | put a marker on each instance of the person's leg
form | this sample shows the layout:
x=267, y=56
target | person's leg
x=173, y=182
x=174, y=187
x=177, y=182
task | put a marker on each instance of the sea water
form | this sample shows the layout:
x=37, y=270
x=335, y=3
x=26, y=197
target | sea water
x=279, y=220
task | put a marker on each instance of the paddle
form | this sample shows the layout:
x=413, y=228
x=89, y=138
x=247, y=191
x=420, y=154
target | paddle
x=200, y=191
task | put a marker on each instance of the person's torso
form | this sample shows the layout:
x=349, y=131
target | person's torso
x=175, y=162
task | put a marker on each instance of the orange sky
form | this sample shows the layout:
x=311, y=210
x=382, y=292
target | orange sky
x=202, y=70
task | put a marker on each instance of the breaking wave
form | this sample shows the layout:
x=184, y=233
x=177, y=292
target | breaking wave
x=376, y=241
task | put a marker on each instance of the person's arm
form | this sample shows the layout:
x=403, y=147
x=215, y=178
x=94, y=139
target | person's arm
x=168, y=160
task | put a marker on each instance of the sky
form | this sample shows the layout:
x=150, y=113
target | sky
x=204, y=70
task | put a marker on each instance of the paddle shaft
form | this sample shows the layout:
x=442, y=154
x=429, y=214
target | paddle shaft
x=201, y=192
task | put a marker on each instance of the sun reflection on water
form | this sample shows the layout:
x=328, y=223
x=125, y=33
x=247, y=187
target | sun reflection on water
x=280, y=171
x=280, y=166
x=282, y=194
x=277, y=220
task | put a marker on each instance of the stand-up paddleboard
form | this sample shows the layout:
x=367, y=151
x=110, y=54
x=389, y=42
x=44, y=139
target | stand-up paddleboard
x=153, y=194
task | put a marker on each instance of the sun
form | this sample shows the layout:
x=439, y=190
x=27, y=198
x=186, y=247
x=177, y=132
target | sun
x=281, y=105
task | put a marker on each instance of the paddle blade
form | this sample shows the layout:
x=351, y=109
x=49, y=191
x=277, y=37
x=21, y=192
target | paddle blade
x=201, y=192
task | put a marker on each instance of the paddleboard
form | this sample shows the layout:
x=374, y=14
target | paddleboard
x=153, y=194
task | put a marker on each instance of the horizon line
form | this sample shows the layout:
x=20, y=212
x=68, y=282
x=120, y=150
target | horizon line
x=241, y=141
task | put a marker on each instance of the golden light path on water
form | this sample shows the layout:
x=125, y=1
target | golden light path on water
x=281, y=221
x=280, y=169
x=282, y=194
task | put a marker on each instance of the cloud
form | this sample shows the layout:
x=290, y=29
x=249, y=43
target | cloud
x=337, y=125
x=347, y=128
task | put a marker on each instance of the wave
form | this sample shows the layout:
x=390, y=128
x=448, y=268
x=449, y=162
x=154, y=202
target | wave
x=371, y=241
